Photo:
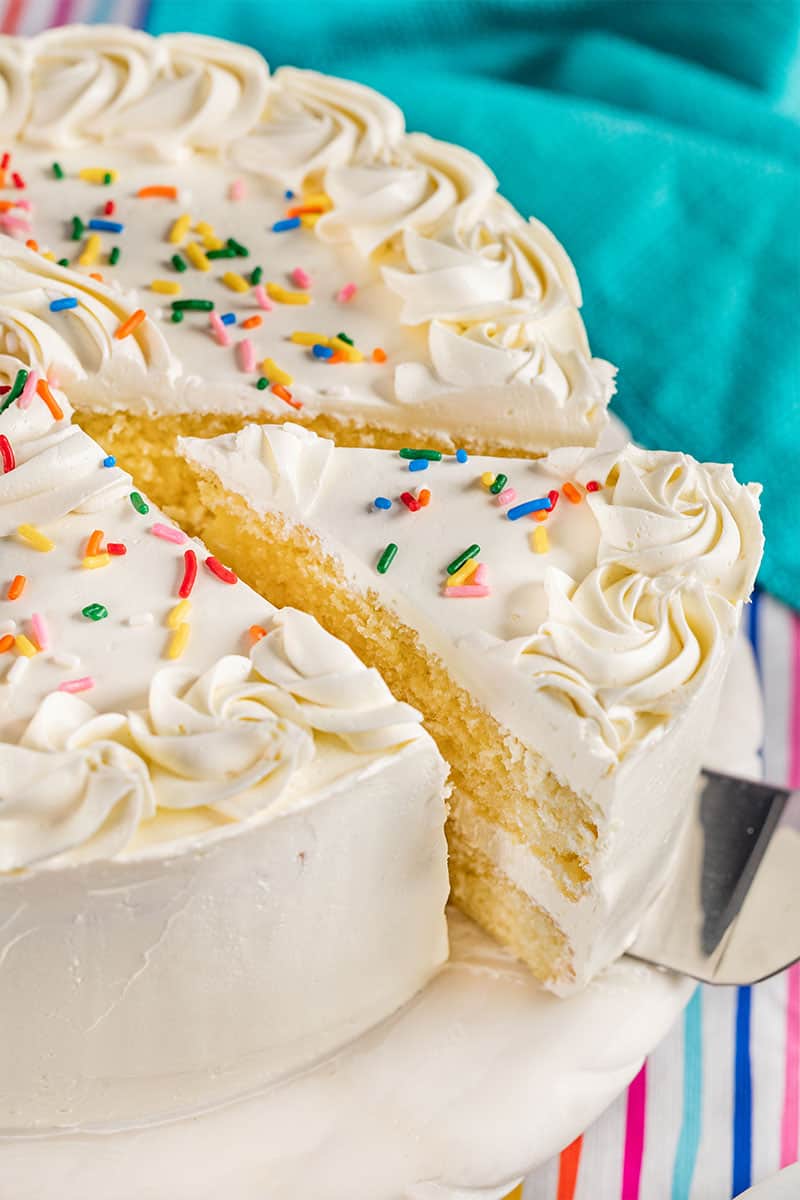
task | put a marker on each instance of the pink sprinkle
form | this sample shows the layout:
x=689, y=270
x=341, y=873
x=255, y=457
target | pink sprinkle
x=507, y=496
x=236, y=190
x=40, y=632
x=29, y=390
x=247, y=355
x=262, y=299
x=346, y=293
x=26, y=204
x=14, y=224
x=218, y=326
x=467, y=589
x=480, y=575
x=301, y=278
x=168, y=533
x=76, y=685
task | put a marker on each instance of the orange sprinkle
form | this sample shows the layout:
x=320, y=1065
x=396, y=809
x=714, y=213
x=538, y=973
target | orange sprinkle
x=256, y=633
x=298, y=210
x=94, y=543
x=7, y=205
x=540, y=514
x=158, y=192
x=286, y=395
x=423, y=497
x=2, y=179
x=251, y=323
x=133, y=322
x=43, y=388
x=378, y=354
x=32, y=244
x=96, y=275
x=572, y=493
x=16, y=587
x=6, y=642
x=337, y=357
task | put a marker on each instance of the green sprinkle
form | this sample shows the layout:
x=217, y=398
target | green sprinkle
x=58, y=171
x=176, y=317
x=113, y=257
x=256, y=275
x=223, y=252
x=431, y=455
x=178, y=263
x=471, y=552
x=192, y=305
x=498, y=485
x=77, y=229
x=139, y=503
x=387, y=558
x=262, y=383
x=344, y=338
x=237, y=248
x=16, y=388
x=108, y=178
x=95, y=612
x=63, y=262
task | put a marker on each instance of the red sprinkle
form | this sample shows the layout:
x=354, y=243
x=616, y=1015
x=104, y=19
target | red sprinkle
x=17, y=180
x=411, y=502
x=593, y=486
x=4, y=161
x=116, y=548
x=224, y=574
x=553, y=498
x=109, y=208
x=189, y=574
x=6, y=454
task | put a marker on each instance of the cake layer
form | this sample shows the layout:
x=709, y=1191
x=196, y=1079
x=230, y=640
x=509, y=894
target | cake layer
x=221, y=838
x=571, y=683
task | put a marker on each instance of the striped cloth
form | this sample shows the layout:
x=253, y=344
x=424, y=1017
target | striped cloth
x=716, y=1108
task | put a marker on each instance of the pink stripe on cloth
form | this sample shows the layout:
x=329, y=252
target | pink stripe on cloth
x=62, y=14
x=11, y=16
x=790, y=1117
x=635, y=1121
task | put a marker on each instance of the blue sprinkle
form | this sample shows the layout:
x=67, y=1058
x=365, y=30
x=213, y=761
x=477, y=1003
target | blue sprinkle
x=418, y=464
x=105, y=226
x=288, y=195
x=66, y=302
x=461, y=456
x=522, y=510
x=228, y=318
x=382, y=502
x=110, y=461
x=289, y=223
x=320, y=351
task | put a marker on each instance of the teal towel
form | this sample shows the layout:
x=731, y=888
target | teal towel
x=661, y=142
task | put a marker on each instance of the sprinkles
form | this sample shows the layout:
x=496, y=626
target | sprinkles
x=387, y=558
x=467, y=590
x=133, y=322
x=540, y=542
x=346, y=293
x=224, y=574
x=158, y=192
x=285, y=225
x=179, y=641
x=16, y=587
x=139, y=503
x=283, y=296
x=71, y=686
x=421, y=455
x=382, y=503
x=6, y=454
x=105, y=226
x=40, y=631
x=168, y=533
x=572, y=493
x=35, y=538
x=189, y=574
x=20, y=379
x=65, y=302
x=25, y=646
x=95, y=612
x=43, y=390
x=471, y=552
x=246, y=354
x=530, y=506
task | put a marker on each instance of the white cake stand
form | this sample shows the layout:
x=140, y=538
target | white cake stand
x=477, y=1081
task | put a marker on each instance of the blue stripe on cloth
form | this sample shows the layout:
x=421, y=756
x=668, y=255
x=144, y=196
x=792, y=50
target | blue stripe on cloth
x=742, y=1098
x=103, y=12
x=692, y=1120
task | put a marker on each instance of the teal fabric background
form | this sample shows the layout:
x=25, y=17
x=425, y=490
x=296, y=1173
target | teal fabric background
x=660, y=139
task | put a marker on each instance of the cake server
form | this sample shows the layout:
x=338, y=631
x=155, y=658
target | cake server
x=730, y=912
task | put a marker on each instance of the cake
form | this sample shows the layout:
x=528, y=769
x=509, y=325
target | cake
x=296, y=207
x=221, y=840
x=569, y=666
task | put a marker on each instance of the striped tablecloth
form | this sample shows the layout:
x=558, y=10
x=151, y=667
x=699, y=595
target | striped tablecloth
x=717, y=1107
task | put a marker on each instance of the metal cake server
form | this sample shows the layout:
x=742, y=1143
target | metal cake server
x=730, y=912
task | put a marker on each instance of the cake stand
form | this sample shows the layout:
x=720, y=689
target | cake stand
x=482, y=1077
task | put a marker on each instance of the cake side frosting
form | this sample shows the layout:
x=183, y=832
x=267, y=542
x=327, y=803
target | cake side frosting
x=405, y=242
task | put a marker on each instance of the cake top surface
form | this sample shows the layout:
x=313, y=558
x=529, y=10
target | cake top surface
x=295, y=202
x=608, y=580
x=147, y=695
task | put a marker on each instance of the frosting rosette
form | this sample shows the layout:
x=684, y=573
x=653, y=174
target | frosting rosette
x=216, y=740
x=318, y=681
x=665, y=513
x=70, y=787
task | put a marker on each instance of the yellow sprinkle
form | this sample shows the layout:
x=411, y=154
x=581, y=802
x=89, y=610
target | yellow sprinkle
x=92, y=561
x=302, y=338
x=350, y=352
x=34, y=537
x=463, y=573
x=25, y=645
x=177, y=643
x=179, y=614
x=274, y=374
x=487, y=478
x=318, y=198
x=235, y=281
x=540, y=541
x=309, y=220
x=283, y=296
x=212, y=242
x=91, y=251
x=196, y=256
x=48, y=254
x=168, y=286
x=204, y=228
x=180, y=228
x=97, y=174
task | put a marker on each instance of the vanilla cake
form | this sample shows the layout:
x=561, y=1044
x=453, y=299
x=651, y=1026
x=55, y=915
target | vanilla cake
x=297, y=255
x=221, y=839
x=569, y=666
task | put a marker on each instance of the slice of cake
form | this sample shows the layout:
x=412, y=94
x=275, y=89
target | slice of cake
x=221, y=839
x=289, y=251
x=564, y=625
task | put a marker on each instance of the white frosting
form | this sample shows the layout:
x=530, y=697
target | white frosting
x=604, y=655
x=476, y=309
